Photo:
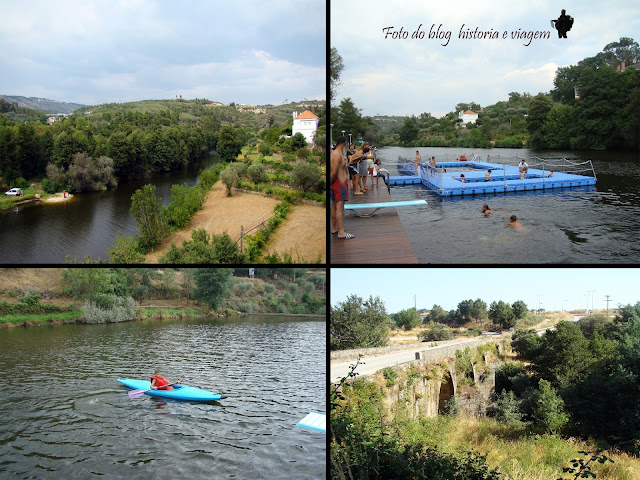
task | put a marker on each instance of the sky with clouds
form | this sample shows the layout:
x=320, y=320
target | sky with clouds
x=568, y=288
x=102, y=51
x=405, y=77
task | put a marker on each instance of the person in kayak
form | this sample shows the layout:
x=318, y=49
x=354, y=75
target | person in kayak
x=158, y=382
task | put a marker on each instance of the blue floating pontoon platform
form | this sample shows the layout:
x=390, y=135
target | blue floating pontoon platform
x=445, y=179
x=314, y=421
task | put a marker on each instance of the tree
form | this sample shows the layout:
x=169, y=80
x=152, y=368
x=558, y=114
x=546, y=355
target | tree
x=548, y=411
x=125, y=250
x=408, y=319
x=625, y=50
x=298, y=141
x=257, y=173
x=408, y=132
x=356, y=323
x=519, y=309
x=501, y=314
x=229, y=177
x=437, y=314
x=335, y=70
x=212, y=284
x=538, y=110
x=147, y=211
x=478, y=310
x=349, y=118
x=229, y=144
x=306, y=175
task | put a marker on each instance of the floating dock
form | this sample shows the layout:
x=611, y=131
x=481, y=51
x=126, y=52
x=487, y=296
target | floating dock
x=446, y=178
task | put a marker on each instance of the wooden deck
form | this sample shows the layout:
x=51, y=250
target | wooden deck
x=379, y=239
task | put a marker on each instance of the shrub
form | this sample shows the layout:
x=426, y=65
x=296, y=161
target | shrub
x=265, y=148
x=185, y=201
x=436, y=332
x=240, y=168
x=49, y=186
x=253, y=141
x=124, y=309
x=204, y=248
x=293, y=288
x=298, y=141
x=208, y=178
x=230, y=179
x=248, y=307
x=289, y=157
x=306, y=175
x=257, y=173
x=508, y=409
x=390, y=376
x=125, y=250
x=281, y=308
x=268, y=288
x=243, y=288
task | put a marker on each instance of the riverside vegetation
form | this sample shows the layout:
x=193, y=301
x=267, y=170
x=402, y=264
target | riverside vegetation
x=109, y=295
x=565, y=407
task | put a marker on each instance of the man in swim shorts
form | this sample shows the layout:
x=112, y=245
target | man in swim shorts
x=418, y=160
x=339, y=188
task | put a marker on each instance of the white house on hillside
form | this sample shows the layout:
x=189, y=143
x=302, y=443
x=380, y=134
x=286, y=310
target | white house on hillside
x=305, y=123
x=468, y=116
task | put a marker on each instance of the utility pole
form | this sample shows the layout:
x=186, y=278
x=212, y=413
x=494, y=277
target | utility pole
x=607, y=300
x=415, y=304
x=591, y=292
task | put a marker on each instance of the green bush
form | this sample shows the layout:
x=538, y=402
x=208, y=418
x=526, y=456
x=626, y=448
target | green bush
x=293, y=288
x=248, y=307
x=240, y=168
x=268, y=288
x=436, y=332
x=265, y=148
x=257, y=173
x=184, y=202
x=49, y=186
x=289, y=157
x=243, y=288
x=390, y=375
x=21, y=183
x=281, y=308
x=306, y=175
x=124, y=309
x=204, y=248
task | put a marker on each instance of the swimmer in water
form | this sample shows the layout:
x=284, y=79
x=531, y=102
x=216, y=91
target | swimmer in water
x=486, y=210
x=487, y=176
x=462, y=179
x=513, y=222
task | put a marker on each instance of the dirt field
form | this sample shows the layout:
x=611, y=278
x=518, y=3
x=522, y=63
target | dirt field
x=221, y=214
x=302, y=234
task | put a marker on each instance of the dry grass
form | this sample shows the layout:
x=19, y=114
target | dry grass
x=302, y=235
x=534, y=457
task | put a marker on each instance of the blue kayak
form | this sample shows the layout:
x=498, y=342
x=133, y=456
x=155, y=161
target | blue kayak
x=179, y=392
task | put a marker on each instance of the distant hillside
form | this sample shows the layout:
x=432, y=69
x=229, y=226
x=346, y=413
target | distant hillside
x=43, y=104
x=192, y=111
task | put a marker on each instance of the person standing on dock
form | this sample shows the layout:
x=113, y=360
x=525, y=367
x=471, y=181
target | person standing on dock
x=339, y=188
x=418, y=161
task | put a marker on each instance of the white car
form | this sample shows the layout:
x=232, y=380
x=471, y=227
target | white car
x=15, y=192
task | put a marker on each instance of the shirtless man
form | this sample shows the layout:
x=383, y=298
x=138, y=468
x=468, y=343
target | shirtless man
x=418, y=161
x=487, y=176
x=486, y=210
x=513, y=222
x=339, y=188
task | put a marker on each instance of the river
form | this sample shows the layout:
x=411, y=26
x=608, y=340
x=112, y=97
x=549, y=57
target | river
x=580, y=225
x=85, y=225
x=64, y=415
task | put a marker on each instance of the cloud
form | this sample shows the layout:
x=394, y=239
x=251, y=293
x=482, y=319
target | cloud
x=103, y=51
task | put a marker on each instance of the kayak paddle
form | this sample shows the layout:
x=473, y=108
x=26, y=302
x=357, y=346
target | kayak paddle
x=139, y=392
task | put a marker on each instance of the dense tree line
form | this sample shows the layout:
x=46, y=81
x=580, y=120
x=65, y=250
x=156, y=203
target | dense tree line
x=592, y=368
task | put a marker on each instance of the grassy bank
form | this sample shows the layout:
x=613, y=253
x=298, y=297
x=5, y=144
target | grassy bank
x=36, y=319
x=160, y=312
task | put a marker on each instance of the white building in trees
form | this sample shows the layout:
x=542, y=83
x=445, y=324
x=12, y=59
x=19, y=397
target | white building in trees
x=305, y=123
x=468, y=116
